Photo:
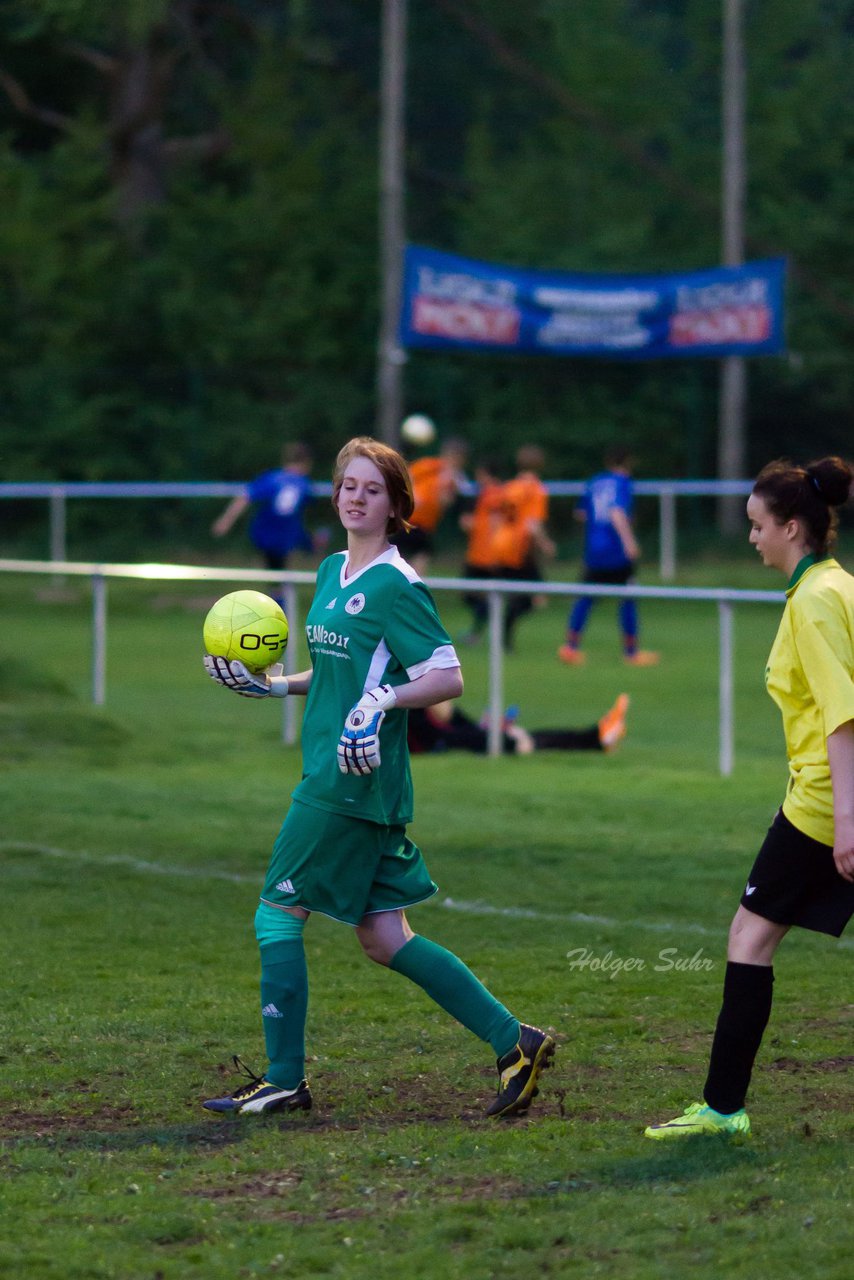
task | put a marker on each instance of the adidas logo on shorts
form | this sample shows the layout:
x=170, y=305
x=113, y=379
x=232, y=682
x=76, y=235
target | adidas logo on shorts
x=285, y=886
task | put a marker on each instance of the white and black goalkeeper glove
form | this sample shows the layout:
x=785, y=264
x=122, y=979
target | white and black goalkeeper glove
x=249, y=684
x=359, y=744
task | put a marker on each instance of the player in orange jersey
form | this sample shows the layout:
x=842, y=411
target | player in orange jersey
x=436, y=482
x=480, y=524
x=521, y=538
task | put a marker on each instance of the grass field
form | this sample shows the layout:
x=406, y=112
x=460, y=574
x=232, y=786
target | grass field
x=592, y=893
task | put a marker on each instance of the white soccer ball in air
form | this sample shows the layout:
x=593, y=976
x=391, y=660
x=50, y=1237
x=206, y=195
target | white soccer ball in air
x=418, y=429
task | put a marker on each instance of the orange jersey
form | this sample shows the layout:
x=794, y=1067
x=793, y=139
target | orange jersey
x=529, y=497
x=485, y=518
x=433, y=486
x=524, y=504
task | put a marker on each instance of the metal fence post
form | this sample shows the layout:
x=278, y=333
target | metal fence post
x=99, y=639
x=289, y=715
x=667, y=534
x=496, y=672
x=58, y=526
x=725, y=619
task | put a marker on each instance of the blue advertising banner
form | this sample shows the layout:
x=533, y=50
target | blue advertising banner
x=458, y=303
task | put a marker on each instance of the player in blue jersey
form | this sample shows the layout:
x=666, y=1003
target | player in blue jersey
x=281, y=496
x=377, y=648
x=611, y=553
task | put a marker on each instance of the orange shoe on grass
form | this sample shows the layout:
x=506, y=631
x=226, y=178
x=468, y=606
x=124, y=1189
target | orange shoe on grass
x=612, y=726
x=571, y=656
x=642, y=658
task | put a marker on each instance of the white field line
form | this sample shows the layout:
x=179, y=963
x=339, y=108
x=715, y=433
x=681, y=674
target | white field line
x=576, y=917
x=124, y=860
x=477, y=908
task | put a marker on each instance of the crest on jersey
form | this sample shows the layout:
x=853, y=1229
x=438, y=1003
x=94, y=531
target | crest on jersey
x=355, y=604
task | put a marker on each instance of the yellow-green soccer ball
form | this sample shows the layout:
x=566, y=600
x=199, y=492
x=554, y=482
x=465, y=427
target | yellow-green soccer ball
x=247, y=625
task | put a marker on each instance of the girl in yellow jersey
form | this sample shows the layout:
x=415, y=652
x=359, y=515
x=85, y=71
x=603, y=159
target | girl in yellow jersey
x=804, y=872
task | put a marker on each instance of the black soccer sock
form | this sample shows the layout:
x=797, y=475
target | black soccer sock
x=567, y=739
x=741, y=1024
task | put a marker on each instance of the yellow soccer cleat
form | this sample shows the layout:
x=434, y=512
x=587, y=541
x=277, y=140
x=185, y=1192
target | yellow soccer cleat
x=701, y=1120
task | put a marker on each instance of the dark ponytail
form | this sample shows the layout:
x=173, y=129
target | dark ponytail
x=810, y=494
x=831, y=479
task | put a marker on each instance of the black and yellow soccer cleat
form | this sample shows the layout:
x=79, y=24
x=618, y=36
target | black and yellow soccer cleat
x=519, y=1070
x=259, y=1095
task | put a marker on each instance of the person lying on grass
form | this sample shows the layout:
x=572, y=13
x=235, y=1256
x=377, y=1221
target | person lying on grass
x=446, y=727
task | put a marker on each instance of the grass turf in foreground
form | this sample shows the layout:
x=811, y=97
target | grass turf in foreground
x=134, y=841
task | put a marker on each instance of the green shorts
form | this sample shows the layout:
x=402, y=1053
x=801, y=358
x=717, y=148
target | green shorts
x=344, y=867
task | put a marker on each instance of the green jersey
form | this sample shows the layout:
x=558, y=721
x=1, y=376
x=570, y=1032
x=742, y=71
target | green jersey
x=377, y=626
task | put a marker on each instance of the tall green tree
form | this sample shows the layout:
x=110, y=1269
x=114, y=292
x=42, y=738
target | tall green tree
x=168, y=318
x=188, y=221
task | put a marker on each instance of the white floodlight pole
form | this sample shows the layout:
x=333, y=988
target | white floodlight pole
x=732, y=407
x=391, y=358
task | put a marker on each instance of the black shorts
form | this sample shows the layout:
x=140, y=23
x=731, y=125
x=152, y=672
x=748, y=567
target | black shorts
x=794, y=881
x=413, y=542
x=610, y=577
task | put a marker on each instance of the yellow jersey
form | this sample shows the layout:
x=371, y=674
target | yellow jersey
x=810, y=675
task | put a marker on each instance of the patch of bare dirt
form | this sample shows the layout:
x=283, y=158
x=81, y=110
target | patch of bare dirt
x=272, y=1186
x=270, y=1193
x=19, y=1123
x=794, y=1065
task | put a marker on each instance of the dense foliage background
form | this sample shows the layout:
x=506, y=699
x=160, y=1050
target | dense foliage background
x=188, y=221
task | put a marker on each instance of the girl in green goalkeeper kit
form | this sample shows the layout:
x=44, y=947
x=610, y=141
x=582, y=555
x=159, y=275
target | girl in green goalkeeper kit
x=377, y=648
x=804, y=872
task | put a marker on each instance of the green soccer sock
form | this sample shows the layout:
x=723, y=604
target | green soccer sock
x=455, y=988
x=284, y=1001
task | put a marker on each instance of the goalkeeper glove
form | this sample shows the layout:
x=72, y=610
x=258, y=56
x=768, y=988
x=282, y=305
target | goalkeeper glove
x=359, y=744
x=249, y=684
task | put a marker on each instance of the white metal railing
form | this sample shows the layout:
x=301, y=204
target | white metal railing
x=58, y=494
x=495, y=591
